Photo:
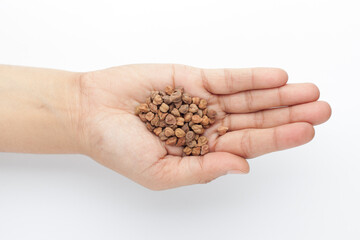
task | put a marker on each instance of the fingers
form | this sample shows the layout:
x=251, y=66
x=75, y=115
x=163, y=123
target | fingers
x=251, y=143
x=175, y=171
x=215, y=81
x=251, y=101
x=228, y=81
x=314, y=113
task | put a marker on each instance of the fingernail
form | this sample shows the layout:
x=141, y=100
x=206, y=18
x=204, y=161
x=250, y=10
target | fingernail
x=235, y=172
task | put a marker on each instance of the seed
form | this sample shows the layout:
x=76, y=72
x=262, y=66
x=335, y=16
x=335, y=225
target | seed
x=175, y=96
x=196, y=100
x=193, y=108
x=198, y=129
x=157, y=131
x=222, y=130
x=142, y=117
x=155, y=121
x=149, y=127
x=162, y=115
x=153, y=107
x=180, y=121
x=171, y=141
x=178, y=104
x=153, y=94
x=202, y=104
x=186, y=98
x=175, y=112
x=196, y=119
x=188, y=117
x=190, y=135
x=205, y=121
x=211, y=113
x=180, y=142
x=166, y=99
x=170, y=119
x=137, y=110
x=144, y=108
x=179, y=133
x=202, y=141
x=179, y=89
x=169, y=90
x=171, y=107
x=164, y=107
x=204, y=149
x=184, y=108
x=196, y=151
x=162, y=123
x=149, y=116
x=185, y=127
x=191, y=123
x=187, y=151
x=168, y=132
x=191, y=143
x=157, y=100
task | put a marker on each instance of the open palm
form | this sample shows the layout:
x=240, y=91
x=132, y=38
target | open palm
x=263, y=115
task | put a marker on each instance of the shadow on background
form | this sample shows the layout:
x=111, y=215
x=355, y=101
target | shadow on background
x=79, y=176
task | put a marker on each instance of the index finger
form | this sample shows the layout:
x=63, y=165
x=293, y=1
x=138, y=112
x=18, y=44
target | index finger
x=228, y=81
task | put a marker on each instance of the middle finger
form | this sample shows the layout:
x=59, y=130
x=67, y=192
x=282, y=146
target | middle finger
x=255, y=100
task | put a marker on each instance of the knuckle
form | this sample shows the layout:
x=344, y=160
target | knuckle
x=205, y=80
x=229, y=80
x=279, y=96
x=246, y=144
x=223, y=104
x=290, y=114
x=259, y=119
x=249, y=101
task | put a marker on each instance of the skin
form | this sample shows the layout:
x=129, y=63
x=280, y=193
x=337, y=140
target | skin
x=50, y=111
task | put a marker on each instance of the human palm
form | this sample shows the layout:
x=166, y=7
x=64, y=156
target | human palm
x=263, y=115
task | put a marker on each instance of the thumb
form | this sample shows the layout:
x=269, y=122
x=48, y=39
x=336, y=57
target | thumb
x=200, y=169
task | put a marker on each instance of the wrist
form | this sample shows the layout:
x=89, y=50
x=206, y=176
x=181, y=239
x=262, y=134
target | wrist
x=40, y=110
x=68, y=111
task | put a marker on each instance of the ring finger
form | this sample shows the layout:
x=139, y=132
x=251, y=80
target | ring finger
x=250, y=143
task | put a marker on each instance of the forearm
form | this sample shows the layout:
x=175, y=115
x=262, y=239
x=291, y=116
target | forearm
x=39, y=110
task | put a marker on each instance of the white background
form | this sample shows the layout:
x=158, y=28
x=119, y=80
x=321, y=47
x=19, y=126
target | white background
x=310, y=192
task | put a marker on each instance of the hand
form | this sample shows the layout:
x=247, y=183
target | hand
x=263, y=115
